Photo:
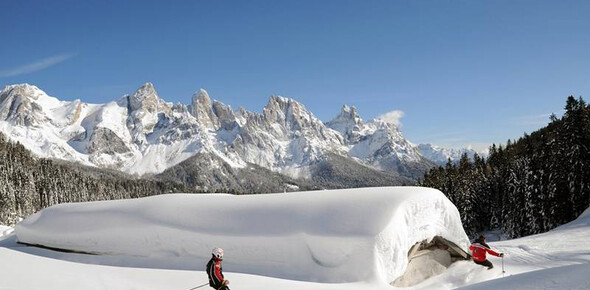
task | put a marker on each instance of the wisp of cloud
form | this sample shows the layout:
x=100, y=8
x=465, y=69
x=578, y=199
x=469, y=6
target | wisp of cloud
x=36, y=66
x=392, y=117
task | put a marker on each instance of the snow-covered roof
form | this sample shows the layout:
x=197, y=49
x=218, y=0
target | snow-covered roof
x=325, y=236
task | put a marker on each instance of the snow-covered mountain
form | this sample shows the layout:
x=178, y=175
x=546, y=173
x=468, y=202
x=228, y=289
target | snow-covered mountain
x=378, y=143
x=141, y=133
x=441, y=155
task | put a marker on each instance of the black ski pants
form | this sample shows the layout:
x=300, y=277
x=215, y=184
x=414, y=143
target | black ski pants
x=486, y=263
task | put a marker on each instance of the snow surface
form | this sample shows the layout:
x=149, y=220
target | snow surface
x=566, y=277
x=551, y=260
x=559, y=259
x=334, y=236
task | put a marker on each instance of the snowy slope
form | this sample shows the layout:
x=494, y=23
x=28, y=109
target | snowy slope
x=329, y=236
x=558, y=259
x=552, y=260
x=566, y=277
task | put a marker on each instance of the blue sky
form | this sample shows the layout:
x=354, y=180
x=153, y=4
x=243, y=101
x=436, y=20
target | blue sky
x=458, y=73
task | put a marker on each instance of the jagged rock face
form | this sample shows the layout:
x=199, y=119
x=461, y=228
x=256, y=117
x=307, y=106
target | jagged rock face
x=385, y=148
x=225, y=116
x=144, y=99
x=141, y=133
x=203, y=110
x=18, y=105
x=378, y=144
x=114, y=135
x=349, y=124
x=293, y=119
x=286, y=137
x=212, y=115
x=105, y=141
x=27, y=105
x=381, y=140
x=172, y=128
x=145, y=110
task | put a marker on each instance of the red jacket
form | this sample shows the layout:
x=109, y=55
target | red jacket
x=215, y=273
x=479, y=252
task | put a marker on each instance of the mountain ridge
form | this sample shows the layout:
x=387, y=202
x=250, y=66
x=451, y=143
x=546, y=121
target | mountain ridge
x=141, y=133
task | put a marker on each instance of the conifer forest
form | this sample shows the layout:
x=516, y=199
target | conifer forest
x=29, y=184
x=527, y=186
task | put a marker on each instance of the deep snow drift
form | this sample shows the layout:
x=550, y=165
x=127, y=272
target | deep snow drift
x=353, y=235
x=558, y=259
x=551, y=260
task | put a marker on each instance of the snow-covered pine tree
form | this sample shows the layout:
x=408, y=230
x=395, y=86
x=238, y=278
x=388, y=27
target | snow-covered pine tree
x=28, y=184
x=532, y=185
x=576, y=132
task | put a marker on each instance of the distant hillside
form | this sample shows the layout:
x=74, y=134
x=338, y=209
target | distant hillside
x=210, y=173
x=441, y=156
x=29, y=184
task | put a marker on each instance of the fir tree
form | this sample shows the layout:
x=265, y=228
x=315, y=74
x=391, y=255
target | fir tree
x=529, y=186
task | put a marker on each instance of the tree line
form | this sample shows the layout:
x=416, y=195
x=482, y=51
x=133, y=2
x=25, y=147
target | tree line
x=528, y=186
x=29, y=184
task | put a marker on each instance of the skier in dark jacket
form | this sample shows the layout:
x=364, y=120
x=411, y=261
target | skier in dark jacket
x=479, y=248
x=214, y=271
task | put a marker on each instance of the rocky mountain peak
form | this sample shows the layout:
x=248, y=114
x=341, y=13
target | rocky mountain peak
x=348, y=123
x=148, y=87
x=140, y=132
x=144, y=107
x=279, y=99
x=18, y=104
x=284, y=104
x=289, y=113
x=212, y=114
x=201, y=97
x=144, y=97
x=349, y=111
x=279, y=103
x=348, y=114
x=24, y=90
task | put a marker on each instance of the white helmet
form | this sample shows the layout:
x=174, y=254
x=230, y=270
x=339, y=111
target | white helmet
x=217, y=253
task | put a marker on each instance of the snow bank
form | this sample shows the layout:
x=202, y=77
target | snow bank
x=325, y=236
x=5, y=230
x=566, y=277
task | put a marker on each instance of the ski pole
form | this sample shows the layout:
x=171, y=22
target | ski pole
x=503, y=266
x=199, y=286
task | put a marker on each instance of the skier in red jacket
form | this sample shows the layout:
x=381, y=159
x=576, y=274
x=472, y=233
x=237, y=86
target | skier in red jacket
x=479, y=248
x=216, y=280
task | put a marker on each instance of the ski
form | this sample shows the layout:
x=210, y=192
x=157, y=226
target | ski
x=199, y=286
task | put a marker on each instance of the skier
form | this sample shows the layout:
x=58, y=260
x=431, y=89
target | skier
x=479, y=248
x=216, y=280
